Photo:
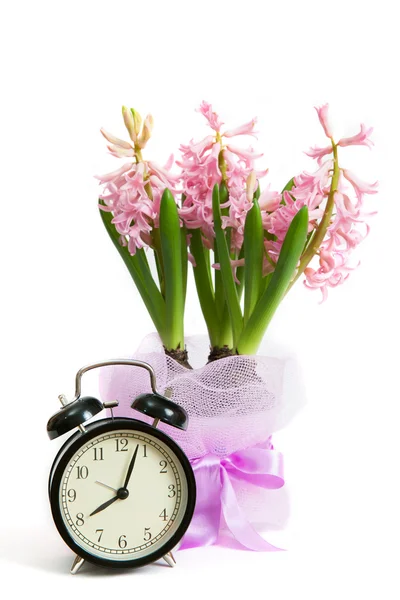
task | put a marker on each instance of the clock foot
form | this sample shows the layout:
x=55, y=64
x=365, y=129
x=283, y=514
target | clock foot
x=170, y=559
x=76, y=565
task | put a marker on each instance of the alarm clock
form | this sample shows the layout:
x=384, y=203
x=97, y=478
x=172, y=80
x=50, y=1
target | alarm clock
x=122, y=492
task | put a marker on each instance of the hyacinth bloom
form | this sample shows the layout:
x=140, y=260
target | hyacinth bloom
x=133, y=192
x=139, y=211
x=258, y=241
x=335, y=200
x=211, y=161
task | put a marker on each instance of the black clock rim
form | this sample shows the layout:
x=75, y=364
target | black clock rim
x=65, y=454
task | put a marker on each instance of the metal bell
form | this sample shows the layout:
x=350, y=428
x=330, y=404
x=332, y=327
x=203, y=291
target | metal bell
x=162, y=409
x=72, y=415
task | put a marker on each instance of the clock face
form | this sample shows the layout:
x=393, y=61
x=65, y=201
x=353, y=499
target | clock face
x=123, y=494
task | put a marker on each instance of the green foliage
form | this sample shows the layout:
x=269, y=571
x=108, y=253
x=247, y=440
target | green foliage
x=171, y=247
x=230, y=291
x=292, y=248
x=253, y=256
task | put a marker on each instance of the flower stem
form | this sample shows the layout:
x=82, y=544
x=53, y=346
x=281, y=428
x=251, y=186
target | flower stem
x=317, y=239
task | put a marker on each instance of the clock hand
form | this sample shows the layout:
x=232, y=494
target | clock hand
x=103, y=506
x=122, y=493
x=107, y=486
x=130, y=468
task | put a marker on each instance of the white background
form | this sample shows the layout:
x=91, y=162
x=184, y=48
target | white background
x=68, y=300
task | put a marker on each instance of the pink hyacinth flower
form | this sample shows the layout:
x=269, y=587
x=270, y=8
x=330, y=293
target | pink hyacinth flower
x=347, y=227
x=322, y=112
x=360, y=139
x=234, y=265
x=246, y=155
x=116, y=141
x=246, y=129
x=201, y=170
x=360, y=187
x=213, y=119
x=318, y=153
x=269, y=200
x=125, y=194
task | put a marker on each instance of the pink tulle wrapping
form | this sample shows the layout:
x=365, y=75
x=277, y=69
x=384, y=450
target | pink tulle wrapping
x=233, y=403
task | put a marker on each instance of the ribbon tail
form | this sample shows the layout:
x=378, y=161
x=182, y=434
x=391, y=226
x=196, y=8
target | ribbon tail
x=242, y=530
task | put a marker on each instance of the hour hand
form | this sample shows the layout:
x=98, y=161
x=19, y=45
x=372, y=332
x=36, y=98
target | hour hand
x=103, y=506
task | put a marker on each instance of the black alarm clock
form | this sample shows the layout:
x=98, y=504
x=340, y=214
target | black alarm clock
x=122, y=492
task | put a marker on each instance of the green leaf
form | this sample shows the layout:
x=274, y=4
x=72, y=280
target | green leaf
x=147, y=276
x=289, y=186
x=156, y=242
x=291, y=251
x=202, y=277
x=265, y=282
x=184, y=260
x=240, y=274
x=148, y=289
x=229, y=286
x=172, y=262
x=225, y=337
x=253, y=256
x=219, y=288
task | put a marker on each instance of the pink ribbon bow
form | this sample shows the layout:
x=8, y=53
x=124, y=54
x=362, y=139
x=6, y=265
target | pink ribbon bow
x=216, y=496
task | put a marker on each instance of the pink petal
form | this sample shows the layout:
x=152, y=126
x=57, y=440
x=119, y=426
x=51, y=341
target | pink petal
x=115, y=174
x=245, y=154
x=269, y=200
x=169, y=164
x=162, y=173
x=322, y=112
x=120, y=152
x=114, y=140
x=147, y=129
x=129, y=122
x=361, y=187
x=360, y=139
x=318, y=153
x=213, y=119
x=246, y=129
x=251, y=185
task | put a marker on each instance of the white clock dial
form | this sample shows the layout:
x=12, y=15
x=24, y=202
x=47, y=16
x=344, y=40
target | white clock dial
x=122, y=522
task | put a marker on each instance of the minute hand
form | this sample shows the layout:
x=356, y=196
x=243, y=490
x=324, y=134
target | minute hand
x=130, y=468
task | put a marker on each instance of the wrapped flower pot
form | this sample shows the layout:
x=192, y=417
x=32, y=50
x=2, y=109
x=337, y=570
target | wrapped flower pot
x=235, y=405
